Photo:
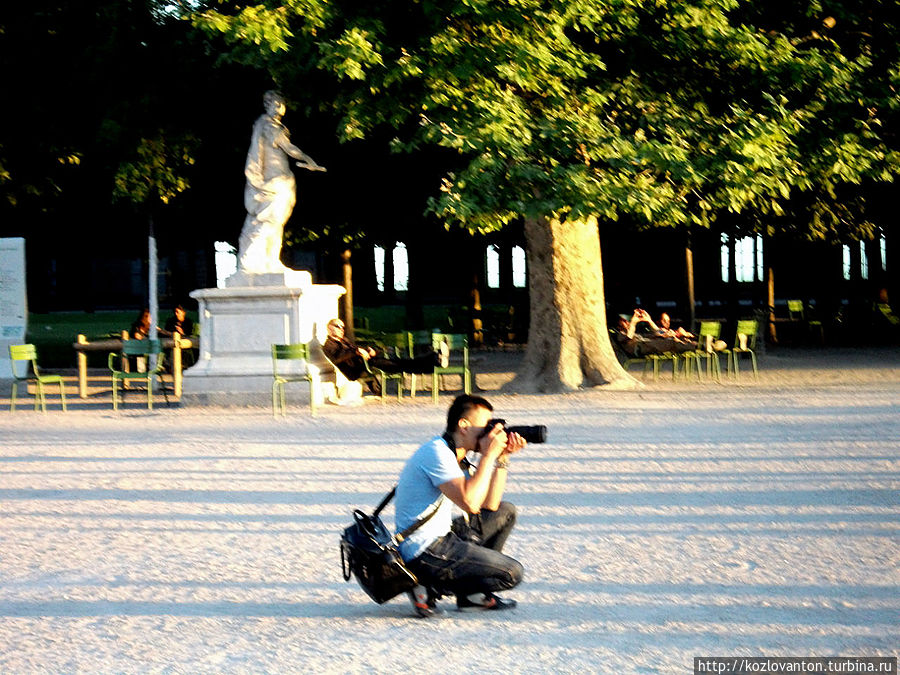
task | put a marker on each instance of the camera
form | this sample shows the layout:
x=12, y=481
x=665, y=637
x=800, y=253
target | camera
x=532, y=434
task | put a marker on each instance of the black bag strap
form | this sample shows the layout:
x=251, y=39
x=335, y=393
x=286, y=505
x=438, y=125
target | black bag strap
x=384, y=502
x=400, y=536
x=416, y=525
x=448, y=439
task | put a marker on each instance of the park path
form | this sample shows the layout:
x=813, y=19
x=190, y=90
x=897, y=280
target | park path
x=655, y=526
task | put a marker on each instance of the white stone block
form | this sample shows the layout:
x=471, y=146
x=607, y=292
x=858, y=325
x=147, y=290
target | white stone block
x=239, y=325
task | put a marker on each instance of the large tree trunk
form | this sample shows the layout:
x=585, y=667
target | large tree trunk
x=691, y=298
x=347, y=299
x=770, y=303
x=568, y=340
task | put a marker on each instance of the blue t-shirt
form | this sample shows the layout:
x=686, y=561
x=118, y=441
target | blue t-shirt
x=431, y=465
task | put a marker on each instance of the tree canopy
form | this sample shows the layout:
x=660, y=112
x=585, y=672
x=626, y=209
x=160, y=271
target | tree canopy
x=757, y=114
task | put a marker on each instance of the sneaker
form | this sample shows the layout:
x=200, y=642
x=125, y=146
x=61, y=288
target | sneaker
x=423, y=602
x=480, y=602
x=444, y=355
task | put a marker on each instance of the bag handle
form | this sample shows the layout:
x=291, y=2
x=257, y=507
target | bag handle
x=384, y=502
x=346, y=569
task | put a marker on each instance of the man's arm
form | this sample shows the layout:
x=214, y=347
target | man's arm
x=338, y=352
x=485, y=488
x=470, y=494
x=498, y=481
x=632, y=326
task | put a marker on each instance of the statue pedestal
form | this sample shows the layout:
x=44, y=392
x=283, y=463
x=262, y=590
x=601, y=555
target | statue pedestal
x=240, y=323
x=287, y=277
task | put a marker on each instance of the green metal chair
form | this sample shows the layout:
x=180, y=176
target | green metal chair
x=707, y=335
x=459, y=361
x=298, y=352
x=415, y=340
x=625, y=359
x=747, y=328
x=657, y=360
x=652, y=362
x=395, y=342
x=795, y=310
x=22, y=353
x=139, y=349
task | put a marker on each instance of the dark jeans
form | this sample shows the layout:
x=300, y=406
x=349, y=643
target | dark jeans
x=453, y=565
x=420, y=364
x=656, y=345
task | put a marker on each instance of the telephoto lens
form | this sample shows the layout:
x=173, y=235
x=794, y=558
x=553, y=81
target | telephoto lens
x=532, y=434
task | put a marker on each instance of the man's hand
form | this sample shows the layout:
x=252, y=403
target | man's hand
x=366, y=352
x=514, y=443
x=494, y=442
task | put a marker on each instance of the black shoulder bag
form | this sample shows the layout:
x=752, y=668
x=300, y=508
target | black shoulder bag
x=369, y=553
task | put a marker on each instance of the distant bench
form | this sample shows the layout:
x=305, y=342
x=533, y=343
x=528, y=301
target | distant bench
x=82, y=347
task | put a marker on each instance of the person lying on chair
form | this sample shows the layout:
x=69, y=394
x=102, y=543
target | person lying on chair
x=665, y=329
x=351, y=359
x=635, y=343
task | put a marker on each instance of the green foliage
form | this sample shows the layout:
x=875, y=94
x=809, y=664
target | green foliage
x=156, y=171
x=666, y=113
x=107, y=96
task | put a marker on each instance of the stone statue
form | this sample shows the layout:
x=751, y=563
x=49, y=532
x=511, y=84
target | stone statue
x=270, y=194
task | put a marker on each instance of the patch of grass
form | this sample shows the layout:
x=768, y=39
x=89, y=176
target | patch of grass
x=53, y=334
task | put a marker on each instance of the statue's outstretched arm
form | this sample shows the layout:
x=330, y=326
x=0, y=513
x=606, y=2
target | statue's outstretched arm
x=304, y=160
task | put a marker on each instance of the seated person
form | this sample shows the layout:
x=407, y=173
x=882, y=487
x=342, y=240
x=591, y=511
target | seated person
x=883, y=309
x=351, y=360
x=178, y=324
x=635, y=343
x=140, y=328
x=666, y=330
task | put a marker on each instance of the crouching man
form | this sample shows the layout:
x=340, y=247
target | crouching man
x=461, y=557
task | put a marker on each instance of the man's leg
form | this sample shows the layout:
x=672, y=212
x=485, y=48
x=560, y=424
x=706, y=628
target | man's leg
x=420, y=364
x=387, y=365
x=496, y=526
x=451, y=565
x=490, y=529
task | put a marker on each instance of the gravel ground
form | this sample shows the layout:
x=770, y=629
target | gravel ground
x=679, y=520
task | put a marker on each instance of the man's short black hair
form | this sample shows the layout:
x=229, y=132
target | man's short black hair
x=460, y=408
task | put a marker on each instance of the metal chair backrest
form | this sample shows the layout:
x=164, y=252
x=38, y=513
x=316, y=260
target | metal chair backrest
x=710, y=328
x=709, y=332
x=748, y=327
x=140, y=347
x=455, y=341
x=23, y=353
x=298, y=351
x=795, y=307
x=398, y=343
x=418, y=338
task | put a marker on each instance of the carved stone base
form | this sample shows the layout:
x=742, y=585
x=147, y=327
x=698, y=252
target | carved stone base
x=239, y=325
x=288, y=277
